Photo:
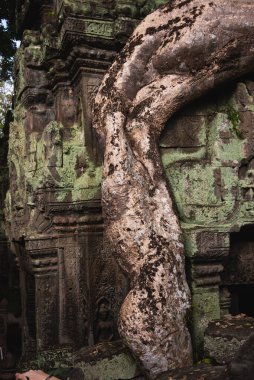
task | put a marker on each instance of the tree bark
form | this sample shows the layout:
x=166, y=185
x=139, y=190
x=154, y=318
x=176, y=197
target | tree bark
x=175, y=55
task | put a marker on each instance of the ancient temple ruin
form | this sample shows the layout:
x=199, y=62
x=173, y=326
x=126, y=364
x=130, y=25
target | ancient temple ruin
x=70, y=283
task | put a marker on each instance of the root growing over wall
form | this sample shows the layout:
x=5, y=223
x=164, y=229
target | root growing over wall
x=175, y=55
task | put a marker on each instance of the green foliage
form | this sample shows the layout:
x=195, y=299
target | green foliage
x=6, y=90
x=7, y=37
x=7, y=51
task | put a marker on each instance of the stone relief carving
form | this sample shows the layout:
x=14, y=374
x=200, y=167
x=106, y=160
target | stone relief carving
x=246, y=177
x=91, y=93
x=104, y=322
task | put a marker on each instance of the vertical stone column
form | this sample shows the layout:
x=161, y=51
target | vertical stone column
x=44, y=265
x=206, y=252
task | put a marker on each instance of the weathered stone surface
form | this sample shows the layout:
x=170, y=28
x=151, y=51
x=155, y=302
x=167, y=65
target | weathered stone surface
x=242, y=365
x=205, y=307
x=10, y=308
x=107, y=361
x=224, y=337
x=212, y=205
x=53, y=214
x=199, y=372
x=52, y=210
x=161, y=68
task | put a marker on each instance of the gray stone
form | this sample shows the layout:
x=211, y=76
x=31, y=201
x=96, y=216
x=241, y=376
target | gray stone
x=223, y=338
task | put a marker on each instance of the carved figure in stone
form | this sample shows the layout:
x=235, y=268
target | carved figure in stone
x=104, y=326
x=175, y=55
x=53, y=144
x=246, y=176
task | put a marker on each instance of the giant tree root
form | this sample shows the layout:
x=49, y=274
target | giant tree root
x=176, y=54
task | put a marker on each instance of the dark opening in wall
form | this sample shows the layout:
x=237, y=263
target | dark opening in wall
x=10, y=308
x=238, y=275
x=239, y=267
x=14, y=339
x=242, y=297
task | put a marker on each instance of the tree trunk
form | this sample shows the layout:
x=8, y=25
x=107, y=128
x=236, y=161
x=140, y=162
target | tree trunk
x=175, y=55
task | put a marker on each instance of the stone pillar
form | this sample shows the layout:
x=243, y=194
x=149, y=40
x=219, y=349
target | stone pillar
x=45, y=270
x=208, y=250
